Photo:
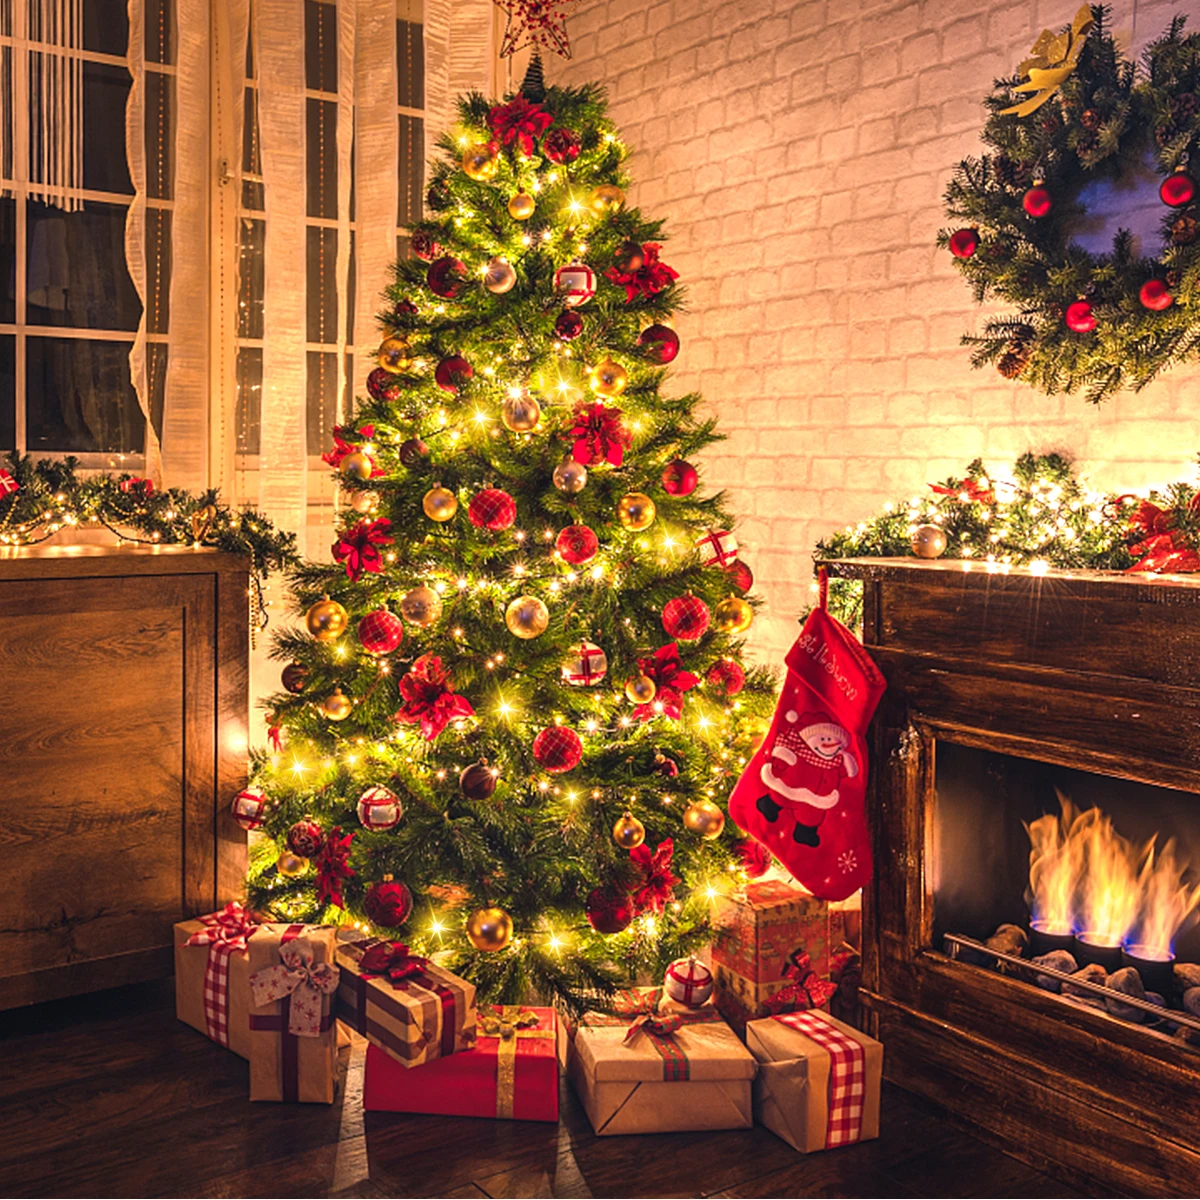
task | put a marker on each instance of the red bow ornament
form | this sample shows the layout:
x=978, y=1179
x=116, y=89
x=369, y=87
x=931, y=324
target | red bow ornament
x=8, y=485
x=519, y=121
x=342, y=446
x=599, y=435
x=429, y=697
x=358, y=548
x=333, y=866
x=297, y=977
x=670, y=680
x=393, y=961
x=274, y=738
x=133, y=483
x=649, y=279
x=967, y=490
x=232, y=927
x=657, y=878
x=1161, y=546
x=806, y=988
x=659, y=1024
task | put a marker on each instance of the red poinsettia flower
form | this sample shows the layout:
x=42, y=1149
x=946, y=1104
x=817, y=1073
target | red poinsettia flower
x=599, y=435
x=1160, y=545
x=649, y=279
x=654, y=891
x=519, y=121
x=358, y=548
x=670, y=680
x=429, y=697
x=333, y=866
x=342, y=445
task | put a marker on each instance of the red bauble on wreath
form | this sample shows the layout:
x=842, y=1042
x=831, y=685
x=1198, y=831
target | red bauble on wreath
x=388, y=903
x=305, y=838
x=686, y=618
x=568, y=325
x=660, y=342
x=964, y=242
x=452, y=373
x=379, y=632
x=1155, y=295
x=1177, y=190
x=446, y=277
x=727, y=676
x=384, y=386
x=1078, y=317
x=740, y=575
x=492, y=509
x=558, y=749
x=1037, y=202
x=609, y=909
x=679, y=478
x=577, y=544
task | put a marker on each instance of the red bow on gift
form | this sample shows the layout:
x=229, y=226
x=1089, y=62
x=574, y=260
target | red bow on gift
x=649, y=279
x=519, y=121
x=599, y=435
x=671, y=681
x=967, y=490
x=806, y=989
x=1161, y=545
x=333, y=866
x=232, y=926
x=358, y=548
x=342, y=447
x=430, y=698
x=661, y=1024
x=393, y=960
x=657, y=878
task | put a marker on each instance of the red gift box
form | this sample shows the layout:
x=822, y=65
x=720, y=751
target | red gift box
x=512, y=1074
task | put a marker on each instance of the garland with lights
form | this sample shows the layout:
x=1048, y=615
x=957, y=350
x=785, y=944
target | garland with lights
x=1040, y=516
x=1078, y=111
x=515, y=701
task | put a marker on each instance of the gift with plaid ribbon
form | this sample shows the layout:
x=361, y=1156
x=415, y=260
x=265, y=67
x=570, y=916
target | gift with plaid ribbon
x=512, y=1074
x=818, y=1080
x=293, y=1039
x=212, y=989
x=403, y=1003
x=641, y=1069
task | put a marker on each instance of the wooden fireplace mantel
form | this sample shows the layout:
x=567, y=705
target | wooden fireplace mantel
x=1091, y=670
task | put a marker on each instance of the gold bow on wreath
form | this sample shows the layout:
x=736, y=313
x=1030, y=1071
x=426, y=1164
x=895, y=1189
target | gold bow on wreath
x=1050, y=63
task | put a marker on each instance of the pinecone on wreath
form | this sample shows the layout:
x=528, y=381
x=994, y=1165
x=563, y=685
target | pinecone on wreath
x=1184, y=108
x=1015, y=359
x=1010, y=174
x=1089, y=119
x=1183, y=231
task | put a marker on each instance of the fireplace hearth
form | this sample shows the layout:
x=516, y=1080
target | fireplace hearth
x=1057, y=714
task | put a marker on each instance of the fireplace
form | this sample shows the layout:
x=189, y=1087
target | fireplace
x=1056, y=711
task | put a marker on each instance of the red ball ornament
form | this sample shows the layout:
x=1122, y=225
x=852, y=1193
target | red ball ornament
x=660, y=342
x=740, y=575
x=609, y=909
x=423, y=245
x=964, y=242
x=577, y=544
x=680, y=478
x=249, y=808
x=568, y=325
x=388, y=903
x=1177, y=190
x=558, y=749
x=492, y=509
x=685, y=618
x=295, y=677
x=726, y=675
x=384, y=386
x=561, y=145
x=1155, y=295
x=305, y=838
x=446, y=277
x=380, y=632
x=1079, y=317
x=1037, y=202
x=452, y=373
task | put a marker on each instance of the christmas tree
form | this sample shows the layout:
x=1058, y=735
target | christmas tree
x=515, y=703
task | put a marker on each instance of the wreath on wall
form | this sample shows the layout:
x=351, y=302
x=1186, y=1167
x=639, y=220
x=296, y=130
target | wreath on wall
x=1079, y=111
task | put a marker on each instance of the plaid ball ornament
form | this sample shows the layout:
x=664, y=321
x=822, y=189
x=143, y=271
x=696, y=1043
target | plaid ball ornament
x=577, y=544
x=249, y=808
x=585, y=665
x=685, y=618
x=718, y=547
x=380, y=631
x=558, y=749
x=688, y=982
x=492, y=509
x=378, y=809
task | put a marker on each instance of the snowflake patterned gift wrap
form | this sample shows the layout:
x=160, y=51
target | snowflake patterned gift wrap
x=818, y=1080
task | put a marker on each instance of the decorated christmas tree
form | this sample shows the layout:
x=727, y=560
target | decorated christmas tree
x=515, y=703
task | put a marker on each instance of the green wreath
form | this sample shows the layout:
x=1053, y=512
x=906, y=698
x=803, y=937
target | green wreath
x=1078, y=111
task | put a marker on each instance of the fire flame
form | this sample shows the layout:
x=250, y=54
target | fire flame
x=1086, y=877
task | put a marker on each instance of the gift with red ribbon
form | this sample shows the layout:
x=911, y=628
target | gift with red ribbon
x=403, y=1003
x=212, y=992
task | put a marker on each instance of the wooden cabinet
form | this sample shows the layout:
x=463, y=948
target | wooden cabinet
x=123, y=726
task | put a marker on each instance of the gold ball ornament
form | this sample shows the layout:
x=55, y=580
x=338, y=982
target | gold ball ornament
x=607, y=198
x=705, y=818
x=481, y=162
x=499, y=276
x=521, y=413
x=928, y=541
x=365, y=501
x=290, y=865
x=395, y=356
x=526, y=617
x=733, y=615
x=608, y=378
x=440, y=504
x=356, y=465
x=628, y=832
x=326, y=620
x=421, y=607
x=640, y=689
x=635, y=510
x=337, y=706
x=489, y=929
x=521, y=206
x=570, y=476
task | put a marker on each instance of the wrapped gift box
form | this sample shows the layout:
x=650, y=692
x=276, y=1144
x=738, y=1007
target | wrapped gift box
x=512, y=1074
x=673, y=1072
x=818, y=1080
x=293, y=1035
x=407, y=1006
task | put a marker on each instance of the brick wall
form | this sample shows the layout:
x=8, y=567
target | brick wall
x=799, y=152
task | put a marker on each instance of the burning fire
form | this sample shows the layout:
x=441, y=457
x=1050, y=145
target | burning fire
x=1084, y=877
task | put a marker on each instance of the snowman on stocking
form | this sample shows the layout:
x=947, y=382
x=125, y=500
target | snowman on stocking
x=803, y=794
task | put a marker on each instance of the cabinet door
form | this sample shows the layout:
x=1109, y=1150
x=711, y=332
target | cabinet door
x=107, y=750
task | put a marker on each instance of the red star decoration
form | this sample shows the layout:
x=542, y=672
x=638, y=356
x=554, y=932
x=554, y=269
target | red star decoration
x=541, y=24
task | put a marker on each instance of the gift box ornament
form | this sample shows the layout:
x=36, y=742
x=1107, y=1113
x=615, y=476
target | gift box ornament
x=642, y=1070
x=212, y=987
x=293, y=1039
x=512, y=1074
x=403, y=1003
x=818, y=1080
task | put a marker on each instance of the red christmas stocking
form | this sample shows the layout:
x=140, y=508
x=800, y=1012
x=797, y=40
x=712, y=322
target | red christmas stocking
x=803, y=794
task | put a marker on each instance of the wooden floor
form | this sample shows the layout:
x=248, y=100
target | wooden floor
x=110, y=1096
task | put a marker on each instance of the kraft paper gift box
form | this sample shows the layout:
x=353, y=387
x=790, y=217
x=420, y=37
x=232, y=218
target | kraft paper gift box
x=404, y=1004
x=293, y=1034
x=818, y=1080
x=512, y=1074
x=671, y=1073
